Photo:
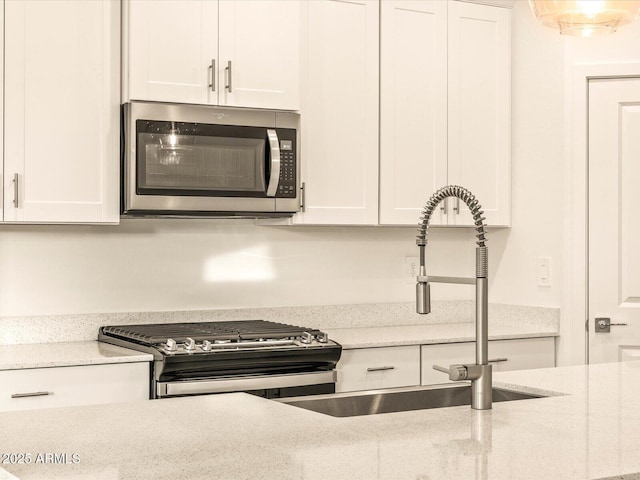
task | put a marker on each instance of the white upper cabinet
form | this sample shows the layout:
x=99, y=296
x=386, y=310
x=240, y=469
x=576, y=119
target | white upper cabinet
x=61, y=111
x=479, y=151
x=413, y=108
x=243, y=53
x=259, y=54
x=171, y=47
x=339, y=113
x=445, y=109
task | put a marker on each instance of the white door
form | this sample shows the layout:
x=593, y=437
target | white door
x=259, y=53
x=614, y=230
x=61, y=111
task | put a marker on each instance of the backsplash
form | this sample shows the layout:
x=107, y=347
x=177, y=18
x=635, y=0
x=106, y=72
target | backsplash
x=70, y=328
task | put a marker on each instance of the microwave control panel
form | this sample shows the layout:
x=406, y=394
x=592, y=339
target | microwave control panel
x=287, y=186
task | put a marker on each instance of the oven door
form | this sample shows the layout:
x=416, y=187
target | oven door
x=182, y=158
x=269, y=386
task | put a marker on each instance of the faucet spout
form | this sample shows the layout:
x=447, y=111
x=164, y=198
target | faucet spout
x=480, y=373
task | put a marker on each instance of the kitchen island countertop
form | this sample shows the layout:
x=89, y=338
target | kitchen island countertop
x=588, y=432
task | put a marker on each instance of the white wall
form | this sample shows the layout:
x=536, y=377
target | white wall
x=149, y=265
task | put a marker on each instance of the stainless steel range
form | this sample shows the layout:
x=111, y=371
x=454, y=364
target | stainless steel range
x=268, y=359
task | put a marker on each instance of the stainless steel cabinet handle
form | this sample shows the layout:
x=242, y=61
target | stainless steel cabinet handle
x=228, y=73
x=497, y=360
x=444, y=206
x=274, y=179
x=302, y=197
x=16, y=193
x=379, y=369
x=212, y=67
x=456, y=208
x=30, y=394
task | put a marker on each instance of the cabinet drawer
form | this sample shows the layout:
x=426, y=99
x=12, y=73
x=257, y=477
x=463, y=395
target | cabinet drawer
x=519, y=354
x=68, y=386
x=373, y=368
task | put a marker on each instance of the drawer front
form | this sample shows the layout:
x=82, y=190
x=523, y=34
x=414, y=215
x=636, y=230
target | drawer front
x=374, y=368
x=523, y=353
x=518, y=354
x=69, y=386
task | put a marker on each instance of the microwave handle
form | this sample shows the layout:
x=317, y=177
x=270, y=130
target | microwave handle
x=274, y=179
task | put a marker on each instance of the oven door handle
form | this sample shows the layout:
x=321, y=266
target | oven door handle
x=242, y=384
x=274, y=178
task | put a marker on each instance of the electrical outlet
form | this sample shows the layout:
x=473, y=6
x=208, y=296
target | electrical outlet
x=411, y=268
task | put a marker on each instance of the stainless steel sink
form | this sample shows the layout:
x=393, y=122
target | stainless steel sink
x=372, y=402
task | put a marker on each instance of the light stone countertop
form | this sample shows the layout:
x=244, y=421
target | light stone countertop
x=588, y=433
x=429, y=334
x=65, y=354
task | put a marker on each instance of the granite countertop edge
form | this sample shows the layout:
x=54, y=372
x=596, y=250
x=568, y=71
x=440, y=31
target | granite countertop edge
x=353, y=338
x=66, y=354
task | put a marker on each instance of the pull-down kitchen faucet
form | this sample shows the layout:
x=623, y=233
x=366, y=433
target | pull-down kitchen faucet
x=480, y=372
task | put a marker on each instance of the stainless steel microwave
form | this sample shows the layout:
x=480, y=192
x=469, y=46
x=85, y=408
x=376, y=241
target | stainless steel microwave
x=197, y=160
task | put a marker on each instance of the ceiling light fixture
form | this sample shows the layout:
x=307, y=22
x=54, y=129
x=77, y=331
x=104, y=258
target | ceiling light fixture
x=585, y=17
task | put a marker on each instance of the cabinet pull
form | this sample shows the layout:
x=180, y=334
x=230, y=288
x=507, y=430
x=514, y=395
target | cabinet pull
x=228, y=73
x=212, y=67
x=456, y=208
x=497, y=360
x=30, y=394
x=443, y=206
x=302, y=199
x=16, y=193
x=379, y=369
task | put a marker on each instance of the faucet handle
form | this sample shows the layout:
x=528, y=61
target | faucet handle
x=455, y=372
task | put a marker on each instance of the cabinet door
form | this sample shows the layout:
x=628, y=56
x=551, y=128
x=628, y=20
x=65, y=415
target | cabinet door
x=170, y=47
x=259, y=53
x=62, y=114
x=413, y=108
x=479, y=116
x=340, y=113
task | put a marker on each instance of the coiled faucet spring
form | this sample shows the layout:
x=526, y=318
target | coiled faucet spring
x=452, y=191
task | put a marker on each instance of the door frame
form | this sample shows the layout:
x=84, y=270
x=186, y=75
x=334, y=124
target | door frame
x=576, y=249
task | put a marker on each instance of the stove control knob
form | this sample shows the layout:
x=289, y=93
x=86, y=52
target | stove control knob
x=206, y=346
x=322, y=337
x=171, y=345
x=190, y=344
x=306, y=337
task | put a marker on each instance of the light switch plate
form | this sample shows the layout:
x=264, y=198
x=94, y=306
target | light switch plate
x=544, y=271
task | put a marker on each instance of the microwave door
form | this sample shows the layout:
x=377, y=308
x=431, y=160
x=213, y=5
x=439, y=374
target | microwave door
x=207, y=161
x=274, y=176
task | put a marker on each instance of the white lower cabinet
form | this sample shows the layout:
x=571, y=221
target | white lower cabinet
x=519, y=354
x=382, y=367
x=34, y=388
